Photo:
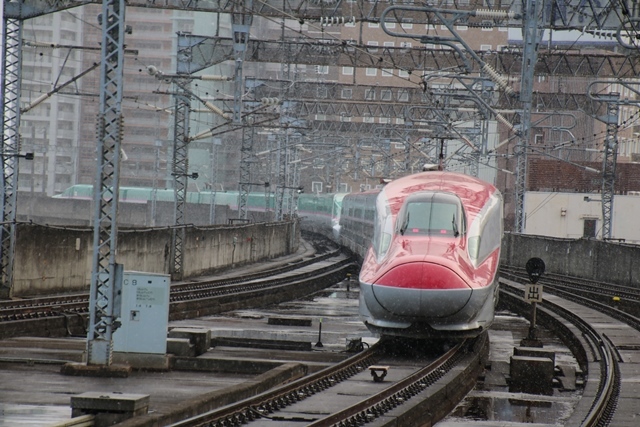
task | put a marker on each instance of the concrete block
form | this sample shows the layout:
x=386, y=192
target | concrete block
x=83, y=370
x=200, y=338
x=532, y=375
x=180, y=347
x=535, y=352
x=109, y=408
x=143, y=361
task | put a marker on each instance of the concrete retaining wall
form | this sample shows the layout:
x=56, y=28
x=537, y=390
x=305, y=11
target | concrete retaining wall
x=56, y=259
x=588, y=258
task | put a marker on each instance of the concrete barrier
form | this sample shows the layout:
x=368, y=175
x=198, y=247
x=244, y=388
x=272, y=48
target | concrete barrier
x=50, y=259
x=610, y=262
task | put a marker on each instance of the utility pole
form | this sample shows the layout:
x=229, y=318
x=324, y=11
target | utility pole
x=531, y=38
x=10, y=110
x=180, y=170
x=609, y=161
x=105, y=283
x=240, y=26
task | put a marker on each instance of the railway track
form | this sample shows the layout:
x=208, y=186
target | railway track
x=593, y=349
x=66, y=314
x=617, y=301
x=397, y=401
x=430, y=392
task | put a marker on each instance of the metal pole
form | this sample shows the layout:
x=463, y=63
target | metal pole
x=105, y=285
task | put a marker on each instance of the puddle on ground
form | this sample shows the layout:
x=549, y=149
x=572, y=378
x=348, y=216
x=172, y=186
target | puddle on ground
x=32, y=415
x=495, y=408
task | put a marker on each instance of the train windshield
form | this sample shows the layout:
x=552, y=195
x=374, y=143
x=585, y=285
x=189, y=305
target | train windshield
x=431, y=214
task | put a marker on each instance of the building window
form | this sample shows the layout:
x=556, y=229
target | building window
x=403, y=73
x=462, y=27
x=407, y=25
x=347, y=93
x=388, y=44
x=589, y=229
x=390, y=25
x=347, y=71
x=371, y=72
x=373, y=47
x=387, y=72
x=316, y=187
x=367, y=118
x=405, y=44
x=403, y=95
x=385, y=94
x=322, y=92
x=485, y=47
x=322, y=69
x=374, y=25
x=370, y=94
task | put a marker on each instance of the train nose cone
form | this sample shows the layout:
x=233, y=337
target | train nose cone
x=422, y=275
x=422, y=289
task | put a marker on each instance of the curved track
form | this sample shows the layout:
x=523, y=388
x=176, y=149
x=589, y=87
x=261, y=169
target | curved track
x=66, y=314
x=583, y=332
x=440, y=385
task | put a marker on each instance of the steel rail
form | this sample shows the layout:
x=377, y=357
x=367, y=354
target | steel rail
x=586, y=296
x=359, y=414
x=78, y=303
x=611, y=289
x=260, y=405
x=605, y=400
x=253, y=276
x=185, y=304
x=374, y=406
x=254, y=284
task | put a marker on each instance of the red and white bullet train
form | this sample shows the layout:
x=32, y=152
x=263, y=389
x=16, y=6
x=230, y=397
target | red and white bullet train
x=430, y=270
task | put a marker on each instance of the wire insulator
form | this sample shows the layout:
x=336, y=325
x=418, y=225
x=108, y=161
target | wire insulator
x=270, y=101
x=327, y=21
x=497, y=78
x=609, y=35
x=216, y=78
x=504, y=121
x=214, y=108
x=495, y=14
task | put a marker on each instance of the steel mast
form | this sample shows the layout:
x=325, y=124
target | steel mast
x=103, y=305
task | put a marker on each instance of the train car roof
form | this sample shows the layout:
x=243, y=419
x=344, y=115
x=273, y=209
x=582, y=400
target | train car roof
x=473, y=192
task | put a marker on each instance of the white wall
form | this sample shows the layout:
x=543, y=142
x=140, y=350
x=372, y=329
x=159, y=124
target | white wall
x=544, y=215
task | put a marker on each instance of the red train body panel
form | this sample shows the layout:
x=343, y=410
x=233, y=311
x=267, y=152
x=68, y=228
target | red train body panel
x=431, y=264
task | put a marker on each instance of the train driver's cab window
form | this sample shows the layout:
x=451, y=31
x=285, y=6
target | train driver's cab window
x=431, y=214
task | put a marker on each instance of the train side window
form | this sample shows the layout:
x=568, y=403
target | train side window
x=485, y=234
x=383, y=227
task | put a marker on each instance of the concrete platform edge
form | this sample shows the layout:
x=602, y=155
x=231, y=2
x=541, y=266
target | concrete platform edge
x=219, y=398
